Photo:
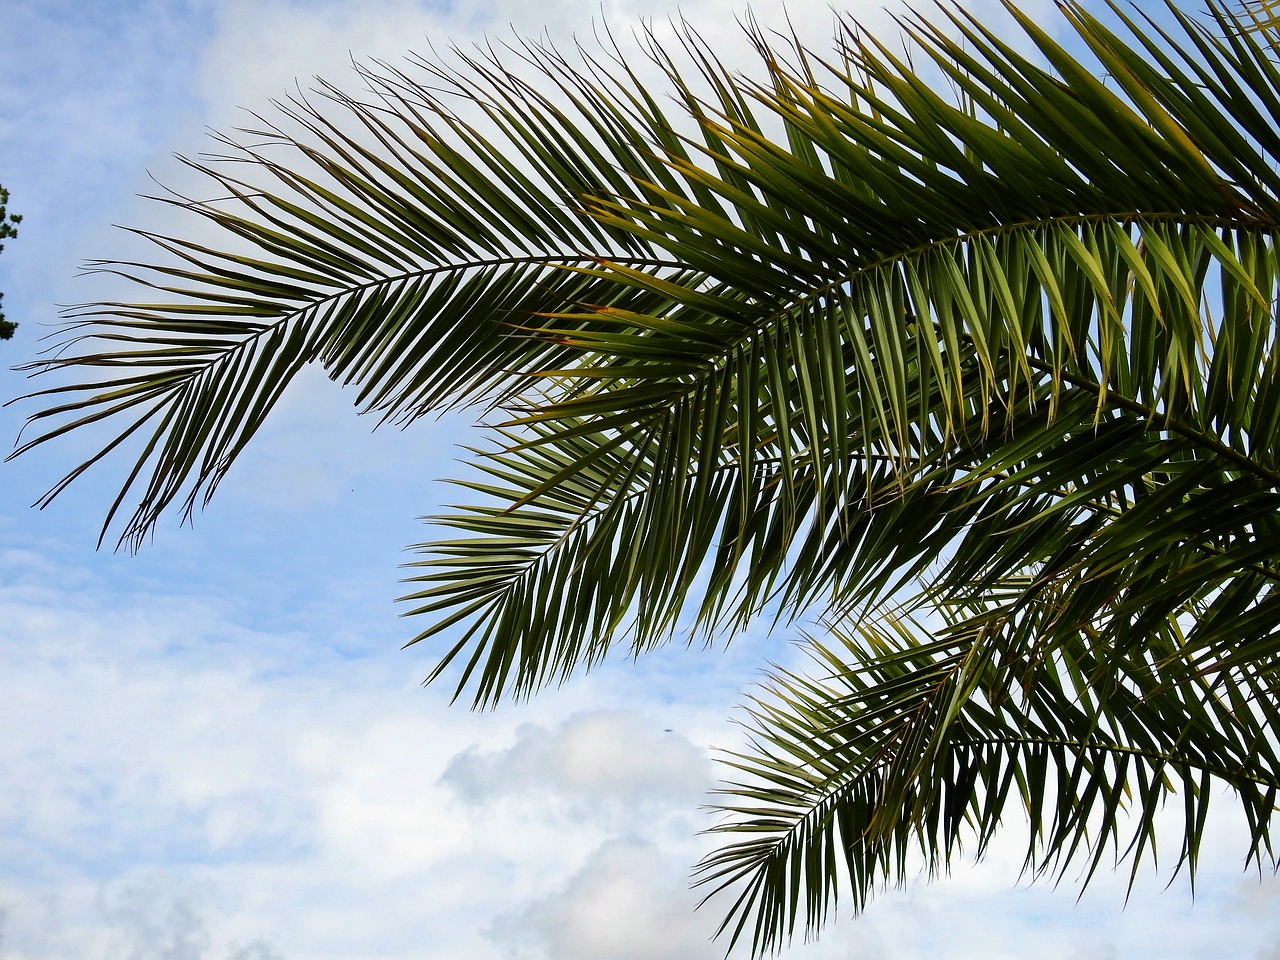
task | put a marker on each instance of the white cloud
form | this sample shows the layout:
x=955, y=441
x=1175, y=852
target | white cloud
x=256, y=950
x=187, y=787
x=158, y=926
x=603, y=755
x=626, y=903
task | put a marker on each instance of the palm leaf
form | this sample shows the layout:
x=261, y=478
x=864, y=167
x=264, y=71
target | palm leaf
x=909, y=746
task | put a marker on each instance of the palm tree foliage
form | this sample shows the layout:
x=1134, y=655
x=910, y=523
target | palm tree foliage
x=7, y=229
x=986, y=382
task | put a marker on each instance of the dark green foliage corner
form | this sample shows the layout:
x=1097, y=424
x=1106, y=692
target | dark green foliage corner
x=7, y=229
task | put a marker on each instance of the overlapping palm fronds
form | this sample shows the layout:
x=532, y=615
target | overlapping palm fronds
x=1262, y=16
x=817, y=341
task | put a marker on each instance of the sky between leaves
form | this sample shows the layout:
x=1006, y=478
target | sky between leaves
x=216, y=750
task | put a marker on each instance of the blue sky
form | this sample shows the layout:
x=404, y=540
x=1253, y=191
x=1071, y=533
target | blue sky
x=217, y=750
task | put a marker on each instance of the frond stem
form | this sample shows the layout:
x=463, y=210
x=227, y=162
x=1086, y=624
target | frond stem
x=1110, y=748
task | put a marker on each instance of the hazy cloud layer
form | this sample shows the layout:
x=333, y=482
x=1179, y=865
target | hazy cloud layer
x=187, y=787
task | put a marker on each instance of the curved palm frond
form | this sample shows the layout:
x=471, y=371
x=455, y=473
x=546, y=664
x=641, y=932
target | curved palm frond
x=1027, y=330
x=406, y=255
x=805, y=344
x=914, y=742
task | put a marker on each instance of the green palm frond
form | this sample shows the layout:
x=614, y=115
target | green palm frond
x=407, y=264
x=1263, y=17
x=803, y=344
x=914, y=743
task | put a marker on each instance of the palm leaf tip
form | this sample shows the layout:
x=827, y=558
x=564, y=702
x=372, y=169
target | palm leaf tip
x=1263, y=17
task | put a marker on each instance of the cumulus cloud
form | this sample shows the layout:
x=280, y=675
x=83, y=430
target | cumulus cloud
x=158, y=926
x=1257, y=895
x=598, y=755
x=257, y=950
x=626, y=903
x=1103, y=951
x=188, y=787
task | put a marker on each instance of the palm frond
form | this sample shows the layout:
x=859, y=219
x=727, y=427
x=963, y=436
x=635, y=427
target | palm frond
x=408, y=263
x=913, y=743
